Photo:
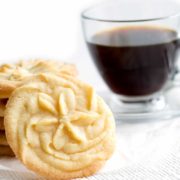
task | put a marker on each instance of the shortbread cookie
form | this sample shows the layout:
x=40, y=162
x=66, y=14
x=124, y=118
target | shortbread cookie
x=3, y=140
x=1, y=123
x=6, y=151
x=2, y=107
x=11, y=75
x=59, y=127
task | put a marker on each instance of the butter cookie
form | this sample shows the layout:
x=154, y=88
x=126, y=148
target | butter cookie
x=11, y=75
x=59, y=127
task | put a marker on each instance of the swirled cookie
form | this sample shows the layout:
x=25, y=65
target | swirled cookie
x=59, y=127
x=11, y=75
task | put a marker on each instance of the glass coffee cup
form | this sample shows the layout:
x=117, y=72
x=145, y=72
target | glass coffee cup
x=135, y=46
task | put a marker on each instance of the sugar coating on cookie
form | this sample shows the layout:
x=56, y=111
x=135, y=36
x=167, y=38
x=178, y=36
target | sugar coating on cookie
x=11, y=75
x=59, y=127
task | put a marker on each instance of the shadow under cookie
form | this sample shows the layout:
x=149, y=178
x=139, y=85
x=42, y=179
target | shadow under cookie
x=2, y=124
x=3, y=103
x=6, y=151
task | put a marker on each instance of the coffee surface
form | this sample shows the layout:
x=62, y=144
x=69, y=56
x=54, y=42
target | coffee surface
x=135, y=61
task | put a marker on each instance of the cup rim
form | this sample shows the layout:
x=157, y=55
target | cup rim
x=86, y=17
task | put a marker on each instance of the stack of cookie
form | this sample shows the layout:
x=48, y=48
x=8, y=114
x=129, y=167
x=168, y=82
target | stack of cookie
x=59, y=127
x=55, y=124
x=14, y=75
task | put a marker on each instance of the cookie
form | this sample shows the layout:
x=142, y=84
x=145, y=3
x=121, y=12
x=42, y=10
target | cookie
x=3, y=141
x=11, y=75
x=6, y=151
x=2, y=108
x=59, y=127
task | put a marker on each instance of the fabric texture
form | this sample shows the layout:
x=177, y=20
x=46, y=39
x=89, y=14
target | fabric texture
x=147, y=151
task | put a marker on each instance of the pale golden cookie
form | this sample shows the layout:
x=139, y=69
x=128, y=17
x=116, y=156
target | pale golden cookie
x=2, y=107
x=3, y=140
x=6, y=151
x=11, y=75
x=59, y=127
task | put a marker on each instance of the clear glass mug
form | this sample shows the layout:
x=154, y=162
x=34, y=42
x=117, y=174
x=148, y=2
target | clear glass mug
x=135, y=46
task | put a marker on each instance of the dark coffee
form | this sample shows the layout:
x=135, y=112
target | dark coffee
x=135, y=61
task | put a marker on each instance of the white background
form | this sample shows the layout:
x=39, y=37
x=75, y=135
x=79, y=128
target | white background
x=47, y=29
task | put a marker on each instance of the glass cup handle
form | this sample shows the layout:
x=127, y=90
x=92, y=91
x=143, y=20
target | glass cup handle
x=176, y=79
